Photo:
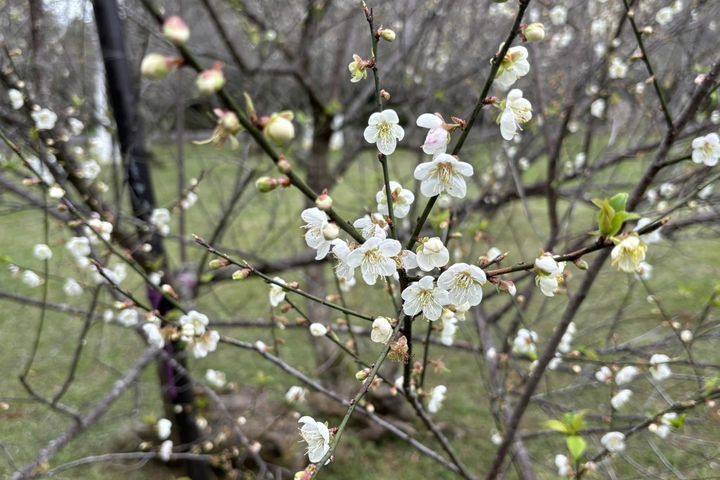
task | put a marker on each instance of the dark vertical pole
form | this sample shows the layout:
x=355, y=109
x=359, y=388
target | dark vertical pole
x=176, y=387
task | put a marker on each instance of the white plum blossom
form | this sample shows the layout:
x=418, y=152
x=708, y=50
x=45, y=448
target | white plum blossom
x=660, y=430
x=432, y=253
x=295, y=394
x=166, y=450
x=372, y=225
x=402, y=199
x=686, y=336
x=72, y=288
x=188, y=200
x=659, y=368
x=443, y=174
x=277, y=293
x=644, y=271
x=449, y=322
x=628, y=253
x=215, y=378
x=42, y=252
x=16, y=99
x=463, y=283
x=153, y=335
x=613, y=441
x=318, y=329
x=603, y=375
x=384, y=131
x=664, y=15
x=423, y=296
x=558, y=15
x=128, y=317
x=90, y=170
x=31, y=279
x=516, y=111
x=196, y=320
x=316, y=220
x=496, y=438
x=345, y=273
x=317, y=437
x=626, y=375
x=597, y=108
x=621, y=398
x=374, y=257
x=617, y=68
x=163, y=428
x=565, y=344
x=524, y=343
x=563, y=465
x=382, y=330
x=514, y=66
x=44, y=119
x=100, y=227
x=437, y=398
x=706, y=149
x=113, y=276
x=160, y=219
x=56, y=192
x=408, y=260
x=205, y=344
x=76, y=126
x=549, y=272
x=438, y=137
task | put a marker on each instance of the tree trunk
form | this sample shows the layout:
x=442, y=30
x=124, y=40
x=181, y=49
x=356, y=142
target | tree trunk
x=176, y=387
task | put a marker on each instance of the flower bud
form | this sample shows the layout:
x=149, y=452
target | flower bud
x=330, y=231
x=280, y=129
x=385, y=95
x=283, y=165
x=686, y=336
x=217, y=263
x=176, y=30
x=155, y=66
x=266, y=184
x=361, y=375
x=318, y=330
x=241, y=274
x=324, y=201
x=387, y=34
x=211, y=81
x=535, y=32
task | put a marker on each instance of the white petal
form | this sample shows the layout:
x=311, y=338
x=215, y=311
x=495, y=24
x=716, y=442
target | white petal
x=390, y=116
x=428, y=120
x=371, y=134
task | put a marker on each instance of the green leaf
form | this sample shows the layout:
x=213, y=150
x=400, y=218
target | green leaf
x=5, y=260
x=679, y=422
x=620, y=218
x=556, y=425
x=575, y=422
x=576, y=446
x=605, y=219
x=619, y=201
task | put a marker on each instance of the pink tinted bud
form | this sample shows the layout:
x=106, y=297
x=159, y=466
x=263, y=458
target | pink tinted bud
x=324, y=201
x=211, y=81
x=266, y=184
x=176, y=30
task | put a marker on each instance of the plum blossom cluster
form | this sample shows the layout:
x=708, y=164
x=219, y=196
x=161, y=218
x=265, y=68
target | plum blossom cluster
x=194, y=332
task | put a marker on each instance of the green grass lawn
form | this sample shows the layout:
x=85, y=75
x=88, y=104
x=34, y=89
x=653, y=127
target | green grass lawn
x=268, y=226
